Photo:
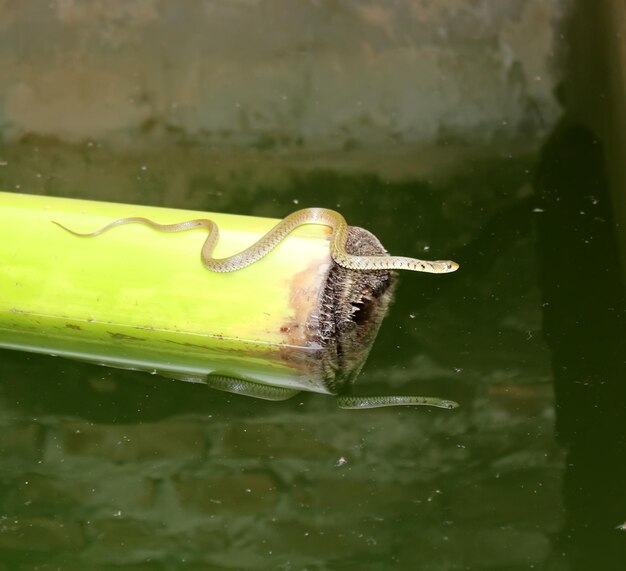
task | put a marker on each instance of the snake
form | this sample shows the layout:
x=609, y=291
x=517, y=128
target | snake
x=277, y=234
x=255, y=252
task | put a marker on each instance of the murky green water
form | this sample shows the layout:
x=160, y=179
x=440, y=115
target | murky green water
x=112, y=470
x=107, y=469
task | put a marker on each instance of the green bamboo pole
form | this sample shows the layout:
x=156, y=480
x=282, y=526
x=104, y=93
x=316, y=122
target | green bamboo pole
x=140, y=299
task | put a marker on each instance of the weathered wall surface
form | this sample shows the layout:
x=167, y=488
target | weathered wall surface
x=267, y=73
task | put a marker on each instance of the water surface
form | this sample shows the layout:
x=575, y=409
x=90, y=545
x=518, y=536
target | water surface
x=114, y=469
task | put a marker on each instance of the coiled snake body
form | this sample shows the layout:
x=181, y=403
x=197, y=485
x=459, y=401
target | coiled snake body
x=261, y=248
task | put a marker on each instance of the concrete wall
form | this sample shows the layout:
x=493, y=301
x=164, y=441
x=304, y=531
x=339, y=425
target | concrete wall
x=268, y=73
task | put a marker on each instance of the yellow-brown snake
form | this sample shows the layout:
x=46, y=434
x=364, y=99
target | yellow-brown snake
x=267, y=243
x=277, y=234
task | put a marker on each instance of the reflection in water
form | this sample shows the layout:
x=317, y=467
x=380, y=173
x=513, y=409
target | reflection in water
x=584, y=326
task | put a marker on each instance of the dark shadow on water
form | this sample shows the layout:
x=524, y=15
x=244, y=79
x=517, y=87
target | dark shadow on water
x=584, y=325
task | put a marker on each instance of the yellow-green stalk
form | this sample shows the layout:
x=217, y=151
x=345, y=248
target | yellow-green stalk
x=137, y=298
